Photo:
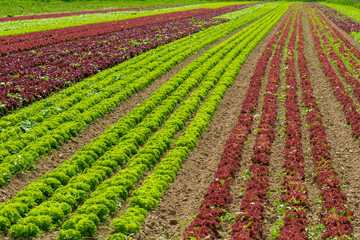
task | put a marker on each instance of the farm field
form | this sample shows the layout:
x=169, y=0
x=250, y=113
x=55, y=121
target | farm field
x=219, y=120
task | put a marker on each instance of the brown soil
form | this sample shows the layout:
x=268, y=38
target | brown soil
x=181, y=201
x=345, y=148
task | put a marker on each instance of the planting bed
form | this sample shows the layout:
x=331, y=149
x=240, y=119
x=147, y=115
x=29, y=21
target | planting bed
x=231, y=122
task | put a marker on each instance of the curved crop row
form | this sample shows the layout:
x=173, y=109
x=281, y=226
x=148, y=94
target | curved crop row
x=26, y=158
x=295, y=220
x=147, y=196
x=335, y=213
x=344, y=40
x=218, y=196
x=89, y=154
x=249, y=223
x=168, y=131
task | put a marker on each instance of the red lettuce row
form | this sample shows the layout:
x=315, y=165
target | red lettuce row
x=335, y=214
x=249, y=223
x=28, y=41
x=342, y=21
x=294, y=188
x=218, y=196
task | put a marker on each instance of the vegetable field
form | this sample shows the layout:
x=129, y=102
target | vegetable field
x=228, y=120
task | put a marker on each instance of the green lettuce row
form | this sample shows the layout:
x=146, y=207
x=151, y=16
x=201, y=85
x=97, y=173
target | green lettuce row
x=149, y=154
x=16, y=140
x=81, y=225
x=148, y=195
x=31, y=153
x=36, y=192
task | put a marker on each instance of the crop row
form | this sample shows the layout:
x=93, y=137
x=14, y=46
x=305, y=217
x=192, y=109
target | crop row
x=52, y=122
x=335, y=213
x=294, y=199
x=218, y=196
x=32, y=40
x=91, y=153
x=56, y=66
x=147, y=196
x=141, y=161
x=249, y=223
x=152, y=149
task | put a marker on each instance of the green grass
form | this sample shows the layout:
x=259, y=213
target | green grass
x=29, y=7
